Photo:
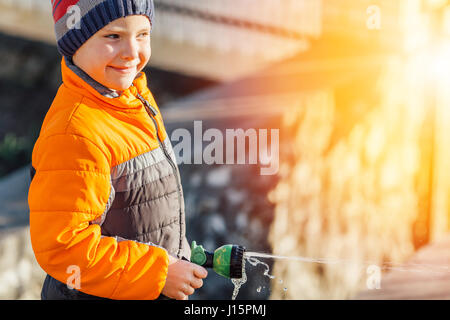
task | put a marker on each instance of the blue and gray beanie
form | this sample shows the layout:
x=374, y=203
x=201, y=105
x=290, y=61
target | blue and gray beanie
x=78, y=20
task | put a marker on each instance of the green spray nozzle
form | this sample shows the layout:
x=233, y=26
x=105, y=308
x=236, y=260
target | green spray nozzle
x=226, y=260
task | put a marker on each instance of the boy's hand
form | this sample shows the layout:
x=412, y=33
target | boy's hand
x=183, y=278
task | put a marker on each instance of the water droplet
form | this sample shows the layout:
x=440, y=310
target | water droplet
x=255, y=262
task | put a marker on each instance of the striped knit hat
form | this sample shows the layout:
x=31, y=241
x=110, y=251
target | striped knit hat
x=78, y=20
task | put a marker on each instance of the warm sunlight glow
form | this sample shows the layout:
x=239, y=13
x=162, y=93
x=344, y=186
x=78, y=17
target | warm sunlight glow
x=440, y=63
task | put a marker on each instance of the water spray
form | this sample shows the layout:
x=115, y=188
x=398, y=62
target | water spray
x=226, y=260
x=229, y=261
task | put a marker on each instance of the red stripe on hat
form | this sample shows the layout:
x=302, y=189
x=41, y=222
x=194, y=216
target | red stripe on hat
x=54, y=3
x=61, y=8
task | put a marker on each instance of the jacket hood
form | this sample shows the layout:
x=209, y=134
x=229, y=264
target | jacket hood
x=76, y=79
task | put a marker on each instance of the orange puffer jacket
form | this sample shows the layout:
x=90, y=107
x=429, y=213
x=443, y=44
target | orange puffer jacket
x=106, y=202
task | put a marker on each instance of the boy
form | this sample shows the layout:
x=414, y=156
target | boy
x=106, y=202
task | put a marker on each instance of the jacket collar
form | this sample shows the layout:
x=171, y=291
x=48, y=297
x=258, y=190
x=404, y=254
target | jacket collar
x=78, y=80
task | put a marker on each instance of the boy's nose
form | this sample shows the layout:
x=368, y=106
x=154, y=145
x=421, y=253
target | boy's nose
x=130, y=50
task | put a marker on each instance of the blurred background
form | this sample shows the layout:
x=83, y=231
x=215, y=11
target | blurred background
x=357, y=88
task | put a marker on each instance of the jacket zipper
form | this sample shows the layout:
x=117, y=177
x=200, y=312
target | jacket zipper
x=152, y=112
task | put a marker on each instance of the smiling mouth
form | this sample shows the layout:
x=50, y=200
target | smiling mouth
x=123, y=70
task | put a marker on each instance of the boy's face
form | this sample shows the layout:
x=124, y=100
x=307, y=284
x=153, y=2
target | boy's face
x=114, y=55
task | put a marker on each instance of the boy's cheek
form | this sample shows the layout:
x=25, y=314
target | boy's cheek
x=108, y=53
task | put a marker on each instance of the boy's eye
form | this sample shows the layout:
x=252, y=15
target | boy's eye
x=144, y=34
x=117, y=36
x=112, y=36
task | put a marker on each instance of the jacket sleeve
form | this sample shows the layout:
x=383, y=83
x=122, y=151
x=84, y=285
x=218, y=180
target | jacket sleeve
x=69, y=191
